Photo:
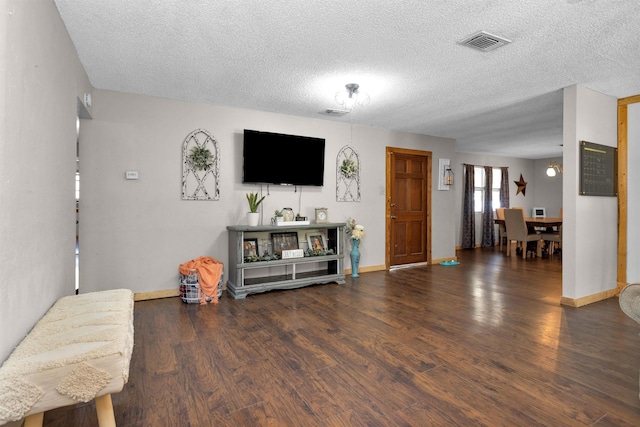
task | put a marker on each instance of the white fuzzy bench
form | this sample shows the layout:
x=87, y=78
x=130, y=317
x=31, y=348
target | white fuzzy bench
x=79, y=351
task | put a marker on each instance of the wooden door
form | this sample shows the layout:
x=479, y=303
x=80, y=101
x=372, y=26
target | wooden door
x=408, y=206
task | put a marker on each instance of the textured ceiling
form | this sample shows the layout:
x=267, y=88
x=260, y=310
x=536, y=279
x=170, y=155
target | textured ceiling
x=292, y=57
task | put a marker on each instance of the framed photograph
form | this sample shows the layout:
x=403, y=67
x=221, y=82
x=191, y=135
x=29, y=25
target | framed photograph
x=317, y=240
x=284, y=241
x=250, y=247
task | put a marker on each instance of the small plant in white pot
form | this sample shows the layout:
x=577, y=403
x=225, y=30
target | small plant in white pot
x=254, y=202
x=278, y=216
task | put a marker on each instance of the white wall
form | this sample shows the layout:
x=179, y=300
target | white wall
x=547, y=190
x=41, y=78
x=589, y=248
x=136, y=233
x=633, y=197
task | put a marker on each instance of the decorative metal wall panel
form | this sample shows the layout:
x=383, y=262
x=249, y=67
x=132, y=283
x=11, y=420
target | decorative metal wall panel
x=347, y=175
x=200, y=167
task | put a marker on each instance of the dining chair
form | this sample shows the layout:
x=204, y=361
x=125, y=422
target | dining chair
x=558, y=228
x=552, y=238
x=518, y=232
x=502, y=229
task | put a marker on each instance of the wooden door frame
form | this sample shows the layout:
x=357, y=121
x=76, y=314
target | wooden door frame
x=389, y=153
x=623, y=188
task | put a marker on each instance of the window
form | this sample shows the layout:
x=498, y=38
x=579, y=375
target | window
x=478, y=196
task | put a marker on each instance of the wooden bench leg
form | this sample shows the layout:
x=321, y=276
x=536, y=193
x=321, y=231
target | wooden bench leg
x=34, y=420
x=104, y=408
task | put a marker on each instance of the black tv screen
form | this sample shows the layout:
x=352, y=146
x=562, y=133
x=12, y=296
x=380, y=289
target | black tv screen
x=276, y=158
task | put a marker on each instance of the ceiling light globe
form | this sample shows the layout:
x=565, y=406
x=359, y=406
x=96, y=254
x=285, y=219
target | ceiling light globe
x=350, y=102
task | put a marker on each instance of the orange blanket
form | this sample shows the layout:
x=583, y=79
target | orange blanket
x=209, y=273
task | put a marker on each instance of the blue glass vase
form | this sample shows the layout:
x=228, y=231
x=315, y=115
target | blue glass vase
x=355, y=257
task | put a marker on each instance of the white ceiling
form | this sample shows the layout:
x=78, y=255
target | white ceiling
x=292, y=56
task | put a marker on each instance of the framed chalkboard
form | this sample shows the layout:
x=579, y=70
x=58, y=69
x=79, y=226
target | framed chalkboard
x=598, y=170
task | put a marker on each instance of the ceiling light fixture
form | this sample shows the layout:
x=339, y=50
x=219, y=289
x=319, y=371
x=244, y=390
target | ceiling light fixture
x=553, y=167
x=352, y=96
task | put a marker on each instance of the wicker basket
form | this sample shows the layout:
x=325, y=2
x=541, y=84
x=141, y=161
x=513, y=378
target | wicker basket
x=190, y=288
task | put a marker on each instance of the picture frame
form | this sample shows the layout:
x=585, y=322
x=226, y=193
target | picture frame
x=317, y=240
x=250, y=247
x=538, y=212
x=284, y=241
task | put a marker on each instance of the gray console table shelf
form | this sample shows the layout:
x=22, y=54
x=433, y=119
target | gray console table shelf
x=254, y=277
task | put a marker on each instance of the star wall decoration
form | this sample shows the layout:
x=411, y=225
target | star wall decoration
x=522, y=186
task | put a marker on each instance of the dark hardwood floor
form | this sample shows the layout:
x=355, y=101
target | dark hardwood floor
x=482, y=343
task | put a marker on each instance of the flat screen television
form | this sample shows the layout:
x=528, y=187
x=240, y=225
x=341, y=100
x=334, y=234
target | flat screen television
x=276, y=158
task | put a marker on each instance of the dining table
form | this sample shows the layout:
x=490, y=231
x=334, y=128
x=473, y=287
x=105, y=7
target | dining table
x=535, y=222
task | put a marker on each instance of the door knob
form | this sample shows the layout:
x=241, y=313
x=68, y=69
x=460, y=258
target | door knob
x=393, y=217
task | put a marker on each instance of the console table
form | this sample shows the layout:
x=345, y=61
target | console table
x=254, y=277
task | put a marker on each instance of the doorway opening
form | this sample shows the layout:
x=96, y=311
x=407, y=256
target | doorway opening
x=82, y=113
x=77, y=207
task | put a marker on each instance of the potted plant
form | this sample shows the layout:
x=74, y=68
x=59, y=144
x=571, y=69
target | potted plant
x=278, y=216
x=254, y=203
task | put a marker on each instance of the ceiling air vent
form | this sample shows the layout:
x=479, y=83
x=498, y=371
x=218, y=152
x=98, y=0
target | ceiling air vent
x=336, y=112
x=484, y=41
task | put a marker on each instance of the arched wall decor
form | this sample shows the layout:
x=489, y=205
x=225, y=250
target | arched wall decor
x=200, y=167
x=347, y=175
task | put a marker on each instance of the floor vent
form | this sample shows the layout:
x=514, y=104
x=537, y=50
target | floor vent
x=484, y=41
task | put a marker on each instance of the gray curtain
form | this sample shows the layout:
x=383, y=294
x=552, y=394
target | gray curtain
x=504, y=188
x=468, y=215
x=488, y=229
